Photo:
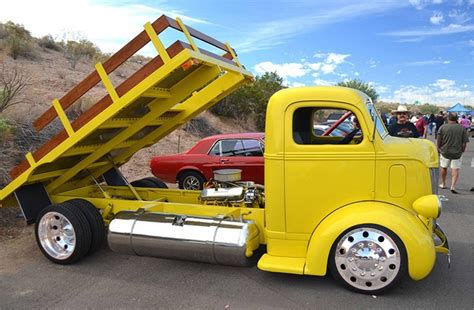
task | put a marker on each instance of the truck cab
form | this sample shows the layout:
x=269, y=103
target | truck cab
x=322, y=191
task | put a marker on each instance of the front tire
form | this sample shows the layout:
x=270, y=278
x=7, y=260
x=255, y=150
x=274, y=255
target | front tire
x=368, y=259
x=62, y=233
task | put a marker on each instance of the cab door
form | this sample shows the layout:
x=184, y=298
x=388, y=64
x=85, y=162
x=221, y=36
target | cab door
x=322, y=172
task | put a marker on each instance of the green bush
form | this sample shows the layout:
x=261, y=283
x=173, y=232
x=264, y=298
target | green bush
x=5, y=128
x=250, y=100
x=75, y=50
x=49, y=43
x=17, y=40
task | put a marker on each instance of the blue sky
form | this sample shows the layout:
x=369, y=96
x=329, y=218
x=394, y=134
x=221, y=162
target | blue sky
x=412, y=50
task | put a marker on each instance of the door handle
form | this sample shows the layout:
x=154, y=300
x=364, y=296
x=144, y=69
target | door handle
x=224, y=160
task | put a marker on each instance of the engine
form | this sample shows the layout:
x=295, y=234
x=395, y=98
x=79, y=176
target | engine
x=226, y=189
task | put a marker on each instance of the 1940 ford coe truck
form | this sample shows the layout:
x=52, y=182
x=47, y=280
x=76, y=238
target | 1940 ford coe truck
x=362, y=206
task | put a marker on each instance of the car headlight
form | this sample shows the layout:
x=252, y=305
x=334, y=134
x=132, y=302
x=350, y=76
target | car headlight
x=428, y=206
x=434, y=176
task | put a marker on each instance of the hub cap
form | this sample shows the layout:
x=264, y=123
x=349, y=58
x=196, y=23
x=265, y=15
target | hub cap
x=191, y=182
x=56, y=235
x=367, y=259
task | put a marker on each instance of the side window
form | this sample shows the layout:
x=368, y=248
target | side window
x=232, y=148
x=216, y=149
x=252, y=148
x=325, y=126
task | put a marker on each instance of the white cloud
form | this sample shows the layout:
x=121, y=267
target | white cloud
x=356, y=73
x=328, y=68
x=447, y=30
x=418, y=4
x=284, y=70
x=399, y=71
x=444, y=84
x=439, y=1
x=437, y=18
x=459, y=17
x=107, y=24
x=442, y=92
x=427, y=62
x=470, y=42
x=277, y=32
x=297, y=84
x=321, y=82
x=372, y=63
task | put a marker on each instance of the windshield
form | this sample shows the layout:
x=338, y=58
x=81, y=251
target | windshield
x=378, y=121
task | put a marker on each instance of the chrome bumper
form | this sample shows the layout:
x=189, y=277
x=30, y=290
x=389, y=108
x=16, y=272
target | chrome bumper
x=441, y=242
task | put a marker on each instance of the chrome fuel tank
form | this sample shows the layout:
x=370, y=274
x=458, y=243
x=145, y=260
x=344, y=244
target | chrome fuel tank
x=204, y=239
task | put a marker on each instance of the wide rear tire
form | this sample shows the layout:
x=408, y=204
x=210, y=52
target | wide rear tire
x=150, y=182
x=96, y=223
x=62, y=234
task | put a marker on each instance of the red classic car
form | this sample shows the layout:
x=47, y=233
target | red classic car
x=229, y=151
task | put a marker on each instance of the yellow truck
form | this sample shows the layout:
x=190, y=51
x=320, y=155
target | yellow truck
x=361, y=206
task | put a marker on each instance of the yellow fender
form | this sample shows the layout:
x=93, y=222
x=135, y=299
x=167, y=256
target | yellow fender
x=416, y=237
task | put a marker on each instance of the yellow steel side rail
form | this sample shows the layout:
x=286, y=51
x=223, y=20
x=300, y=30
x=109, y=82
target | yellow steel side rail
x=63, y=117
x=160, y=48
x=106, y=81
x=234, y=57
x=31, y=160
x=186, y=33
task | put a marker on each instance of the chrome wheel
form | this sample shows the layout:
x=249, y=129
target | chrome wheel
x=191, y=182
x=368, y=259
x=56, y=235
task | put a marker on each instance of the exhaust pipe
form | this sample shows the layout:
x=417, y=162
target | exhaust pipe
x=202, y=239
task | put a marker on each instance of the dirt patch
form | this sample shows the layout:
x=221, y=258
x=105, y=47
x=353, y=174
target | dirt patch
x=12, y=223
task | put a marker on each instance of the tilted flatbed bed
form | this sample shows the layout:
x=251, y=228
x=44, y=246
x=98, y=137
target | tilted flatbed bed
x=176, y=85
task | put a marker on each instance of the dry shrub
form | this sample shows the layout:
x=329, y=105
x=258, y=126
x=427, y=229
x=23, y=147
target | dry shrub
x=200, y=127
x=48, y=42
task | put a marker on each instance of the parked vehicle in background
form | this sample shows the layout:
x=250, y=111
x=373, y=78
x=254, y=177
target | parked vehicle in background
x=193, y=168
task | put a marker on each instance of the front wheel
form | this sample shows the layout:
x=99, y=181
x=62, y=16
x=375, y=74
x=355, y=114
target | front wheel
x=369, y=259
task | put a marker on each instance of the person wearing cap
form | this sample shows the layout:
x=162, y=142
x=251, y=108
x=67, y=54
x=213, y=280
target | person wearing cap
x=452, y=140
x=403, y=128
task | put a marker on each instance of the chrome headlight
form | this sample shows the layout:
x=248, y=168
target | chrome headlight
x=434, y=175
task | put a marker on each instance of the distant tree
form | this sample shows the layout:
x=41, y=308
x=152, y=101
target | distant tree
x=251, y=99
x=427, y=109
x=366, y=88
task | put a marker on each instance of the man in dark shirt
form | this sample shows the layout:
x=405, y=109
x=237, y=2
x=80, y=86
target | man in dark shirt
x=439, y=122
x=403, y=128
x=452, y=139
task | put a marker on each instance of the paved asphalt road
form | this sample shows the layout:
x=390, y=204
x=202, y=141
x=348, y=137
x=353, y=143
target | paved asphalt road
x=108, y=280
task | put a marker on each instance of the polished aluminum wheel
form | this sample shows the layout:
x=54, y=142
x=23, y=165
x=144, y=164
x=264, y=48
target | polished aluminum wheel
x=56, y=235
x=191, y=182
x=367, y=259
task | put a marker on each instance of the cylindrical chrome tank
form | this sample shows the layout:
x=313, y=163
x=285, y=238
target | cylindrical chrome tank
x=211, y=240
